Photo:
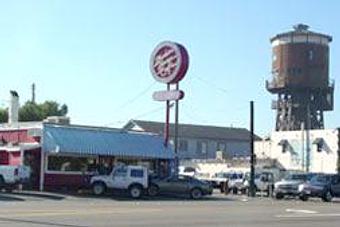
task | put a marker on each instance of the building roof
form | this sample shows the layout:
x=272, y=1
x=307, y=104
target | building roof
x=193, y=131
x=20, y=125
x=84, y=140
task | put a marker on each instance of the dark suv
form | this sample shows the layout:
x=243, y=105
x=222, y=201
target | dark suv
x=325, y=186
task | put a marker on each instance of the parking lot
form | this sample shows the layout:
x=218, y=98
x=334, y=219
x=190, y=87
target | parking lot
x=218, y=210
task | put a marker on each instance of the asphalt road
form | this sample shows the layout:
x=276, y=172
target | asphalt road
x=218, y=210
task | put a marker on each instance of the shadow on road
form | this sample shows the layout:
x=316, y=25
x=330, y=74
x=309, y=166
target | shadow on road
x=50, y=196
x=13, y=220
x=121, y=196
x=6, y=197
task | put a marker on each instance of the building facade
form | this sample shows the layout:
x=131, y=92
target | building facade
x=64, y=156
x=312, y=151
x=200, y=141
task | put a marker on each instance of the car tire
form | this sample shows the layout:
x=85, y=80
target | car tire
x=279, y=196
x=2, y=182
x=153, y=190
x=135, y=191
x=327, y=197
x=244, y=191
x=234, y=191
x=304, y=197
x=196, y=193
x=98, y=188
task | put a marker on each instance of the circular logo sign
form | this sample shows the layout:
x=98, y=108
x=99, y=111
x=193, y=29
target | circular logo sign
x=169, y=62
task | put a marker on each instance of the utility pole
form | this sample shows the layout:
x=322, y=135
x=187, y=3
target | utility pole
x=33, y=93
x=308, y=137
x=252, y=155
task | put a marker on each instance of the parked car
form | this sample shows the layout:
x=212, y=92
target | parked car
x=186, y=171
x=233, y=179
x=180, y=185
x=216, y=181
x=289, y=186
x=134, y=179
x=264, y=182
x=11, y=176
x=325, y=186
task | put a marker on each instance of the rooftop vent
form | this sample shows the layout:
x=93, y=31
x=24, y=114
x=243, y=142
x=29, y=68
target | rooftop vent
x=58, y=120
x=301, y=27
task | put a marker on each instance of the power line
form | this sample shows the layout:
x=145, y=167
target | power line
x=211, y=84
x=137, y=96
x=156, y=110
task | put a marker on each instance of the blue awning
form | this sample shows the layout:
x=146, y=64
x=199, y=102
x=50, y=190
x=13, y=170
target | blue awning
x=83, y=140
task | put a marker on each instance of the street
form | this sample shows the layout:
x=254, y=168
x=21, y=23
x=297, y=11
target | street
x=217, y=210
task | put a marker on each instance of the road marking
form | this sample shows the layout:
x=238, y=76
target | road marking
x=301, y=211
x=41, y=213
x=308, y=215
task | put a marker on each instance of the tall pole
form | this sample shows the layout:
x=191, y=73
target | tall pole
x=252, y=155
x=167, y=119
x=176, y=132
x=308, y=137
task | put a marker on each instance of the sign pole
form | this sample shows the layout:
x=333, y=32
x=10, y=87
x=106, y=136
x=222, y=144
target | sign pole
x=167, y=119
x=176, y=132
x=168, y=64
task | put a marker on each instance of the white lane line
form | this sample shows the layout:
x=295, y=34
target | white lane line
x=308, y=215
x=301, y=211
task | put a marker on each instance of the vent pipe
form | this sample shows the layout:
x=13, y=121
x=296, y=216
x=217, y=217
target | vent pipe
x=13, y=112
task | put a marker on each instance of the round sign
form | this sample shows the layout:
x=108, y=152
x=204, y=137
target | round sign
x=169, y=62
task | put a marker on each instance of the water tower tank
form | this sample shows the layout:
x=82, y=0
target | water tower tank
x=300, y=77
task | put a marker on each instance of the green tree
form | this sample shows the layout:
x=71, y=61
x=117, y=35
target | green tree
x=30, y=112
x=36, y=112
x=3, y=115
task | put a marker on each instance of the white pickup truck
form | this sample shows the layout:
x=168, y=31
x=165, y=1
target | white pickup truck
x=134, y=179
x=11, y=176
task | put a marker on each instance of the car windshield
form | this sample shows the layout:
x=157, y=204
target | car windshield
x=223, y=175
x=296, y=177
x=320, y=179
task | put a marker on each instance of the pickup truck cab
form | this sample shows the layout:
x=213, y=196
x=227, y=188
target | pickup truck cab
x=289, y=186
x=134, y=179
x=264, y=182
x=11, y=176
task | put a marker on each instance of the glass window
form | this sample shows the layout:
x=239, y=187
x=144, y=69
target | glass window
x=121, y=172
x=183, y=145
x=221, y=146
x=202, y=147
x=69, y=164
x=137, y=173
x=310, y=55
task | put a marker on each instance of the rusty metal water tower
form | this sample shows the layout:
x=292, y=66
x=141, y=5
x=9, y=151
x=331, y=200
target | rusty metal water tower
x=300, y=79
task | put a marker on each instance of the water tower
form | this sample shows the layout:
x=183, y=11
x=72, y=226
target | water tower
x=300, y=60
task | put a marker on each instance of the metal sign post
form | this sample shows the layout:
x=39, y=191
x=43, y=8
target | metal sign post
x=168, y=64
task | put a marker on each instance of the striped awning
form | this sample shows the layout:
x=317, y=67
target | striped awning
x=84, y=140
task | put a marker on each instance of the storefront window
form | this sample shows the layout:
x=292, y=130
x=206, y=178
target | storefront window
x=70, y=164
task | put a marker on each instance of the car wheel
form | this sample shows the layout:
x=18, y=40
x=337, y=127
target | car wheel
x=327, y=196
x=243, y=191
x=153, y=190
x=303, y=197
x=135, y=191
x=2, y=182
x=279, y=196
x=196, y=193
x=98, y=188
x=235, y=191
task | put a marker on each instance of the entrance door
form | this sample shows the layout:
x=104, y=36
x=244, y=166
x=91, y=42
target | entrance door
x=32, y=159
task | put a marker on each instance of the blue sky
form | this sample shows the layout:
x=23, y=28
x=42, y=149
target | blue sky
x=94, y=56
